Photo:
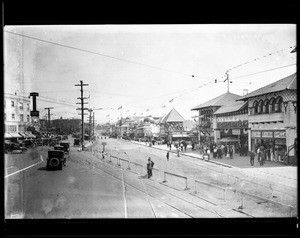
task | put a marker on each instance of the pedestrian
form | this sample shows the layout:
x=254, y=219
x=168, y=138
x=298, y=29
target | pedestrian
x=150, y=165
x=185, y=145
x=262, y=156
x=167, y=156
x=178, y=154
x=252, y=156
x=258, y=156
x=170, y=144
x=181, y=145
x=193, y=145
x=102, y=154
x=215, y=150
x=219, y=153
x=230, y=152
x=225, y=150
x=208, y=154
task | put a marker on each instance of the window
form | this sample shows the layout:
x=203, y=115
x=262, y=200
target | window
x=260, y=107
x=21, y=117
x=278, y=104
x=21, y=105
x=271, y=105
x=12, y=104
x=266, y=106
x=255, y=104
x=27, y=106
x=27, y=118
x=13, y=116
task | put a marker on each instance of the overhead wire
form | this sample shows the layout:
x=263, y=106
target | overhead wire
x=100, y=54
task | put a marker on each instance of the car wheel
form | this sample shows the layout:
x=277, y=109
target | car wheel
x=54, y=162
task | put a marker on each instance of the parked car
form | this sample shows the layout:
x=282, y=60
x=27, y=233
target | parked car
x=61, y=148
x=76, y=142
x=66, y=145
x=56, y=159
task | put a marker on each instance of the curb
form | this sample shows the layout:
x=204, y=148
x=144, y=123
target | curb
x=225, y=165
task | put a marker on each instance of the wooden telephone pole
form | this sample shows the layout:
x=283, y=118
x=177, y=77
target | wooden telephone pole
x=82, y=110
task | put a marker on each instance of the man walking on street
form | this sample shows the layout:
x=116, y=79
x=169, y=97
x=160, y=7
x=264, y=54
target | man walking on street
x=252, y=156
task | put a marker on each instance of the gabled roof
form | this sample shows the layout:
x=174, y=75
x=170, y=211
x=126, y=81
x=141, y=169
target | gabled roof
x=172, y=116
x=232, y=108
x=224, y=99
x=289, y=82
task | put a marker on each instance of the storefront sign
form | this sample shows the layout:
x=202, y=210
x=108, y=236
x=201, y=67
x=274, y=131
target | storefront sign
x=256, y=134
x=267, y=134
x=279, y=134
x=236, y=132
x=232, y=124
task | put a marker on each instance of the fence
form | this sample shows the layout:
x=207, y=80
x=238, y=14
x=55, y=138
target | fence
x=175, y=175
x=207, y=187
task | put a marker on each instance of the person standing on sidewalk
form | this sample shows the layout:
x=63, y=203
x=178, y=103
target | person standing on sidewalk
x=208, y=154
x=178, y=151
x=252, y=156
x=230, y=152
x=167, y=156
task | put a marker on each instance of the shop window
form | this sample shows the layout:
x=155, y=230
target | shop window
x=27, y=118
x=13, y=116
x=21, y=105
x=12, y=104
x=255, y=107
x=27, y=106
x=21, y=117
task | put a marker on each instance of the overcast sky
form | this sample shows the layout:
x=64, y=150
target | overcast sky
x=142, y=67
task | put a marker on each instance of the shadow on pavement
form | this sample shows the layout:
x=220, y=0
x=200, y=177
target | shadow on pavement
x=143, y=177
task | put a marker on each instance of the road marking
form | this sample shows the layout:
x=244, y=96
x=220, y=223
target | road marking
x=25, y=168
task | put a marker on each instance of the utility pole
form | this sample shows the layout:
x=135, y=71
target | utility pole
x=93, y=124
x=82, y=110
x=227, y=78
x=90, y=123
x=48, y=108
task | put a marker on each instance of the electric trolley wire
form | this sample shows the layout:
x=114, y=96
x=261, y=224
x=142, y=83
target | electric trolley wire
x=100, y=54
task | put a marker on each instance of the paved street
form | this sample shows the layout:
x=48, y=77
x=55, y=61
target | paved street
x=89, y=187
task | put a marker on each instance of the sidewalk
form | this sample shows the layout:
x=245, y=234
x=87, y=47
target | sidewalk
x=273, y=171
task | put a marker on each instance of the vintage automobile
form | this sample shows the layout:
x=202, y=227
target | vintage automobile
x=66, y=145
x=56, y=159
x=76, y=142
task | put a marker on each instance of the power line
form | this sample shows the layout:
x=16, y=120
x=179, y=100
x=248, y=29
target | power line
x=263, y=71
x=100, y=54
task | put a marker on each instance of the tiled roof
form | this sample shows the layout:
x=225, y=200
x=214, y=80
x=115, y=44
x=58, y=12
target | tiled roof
x=231, y=108
x=221, y=100
x=289, y=82
x=172, y=116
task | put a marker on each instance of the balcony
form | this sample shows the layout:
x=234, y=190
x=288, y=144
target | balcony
x=205, y=124
x=271, y=117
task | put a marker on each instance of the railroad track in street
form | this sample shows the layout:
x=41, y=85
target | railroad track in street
x=147, y=194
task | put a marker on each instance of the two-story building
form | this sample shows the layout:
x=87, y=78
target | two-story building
x=272, y=113
x=207, y=119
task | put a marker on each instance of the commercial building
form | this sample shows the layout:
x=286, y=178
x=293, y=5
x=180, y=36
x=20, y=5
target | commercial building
x=207, y=119
x=16, y=116
x=273, y=118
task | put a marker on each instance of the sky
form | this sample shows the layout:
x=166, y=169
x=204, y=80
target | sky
x=143, y=67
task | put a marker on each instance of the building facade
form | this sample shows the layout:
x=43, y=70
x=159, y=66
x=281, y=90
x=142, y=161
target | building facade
x=16, y=115
x=272, y=113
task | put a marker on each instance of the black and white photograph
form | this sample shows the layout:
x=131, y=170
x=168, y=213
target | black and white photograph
x=150, y=121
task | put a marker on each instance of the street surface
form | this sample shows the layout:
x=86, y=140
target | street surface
x=92, y=187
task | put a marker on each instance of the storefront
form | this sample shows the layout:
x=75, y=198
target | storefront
x=233, y=131
x=274, y=141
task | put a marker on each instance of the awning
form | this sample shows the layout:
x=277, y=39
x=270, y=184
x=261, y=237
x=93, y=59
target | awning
x=7, y=135
x=178, y=136
x=29, y=135
x=23, y=134
x=229, y=139
x=15, y=135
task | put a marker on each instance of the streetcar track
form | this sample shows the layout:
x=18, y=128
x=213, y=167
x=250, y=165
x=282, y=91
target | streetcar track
x=142, y=191
x=205, y=209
